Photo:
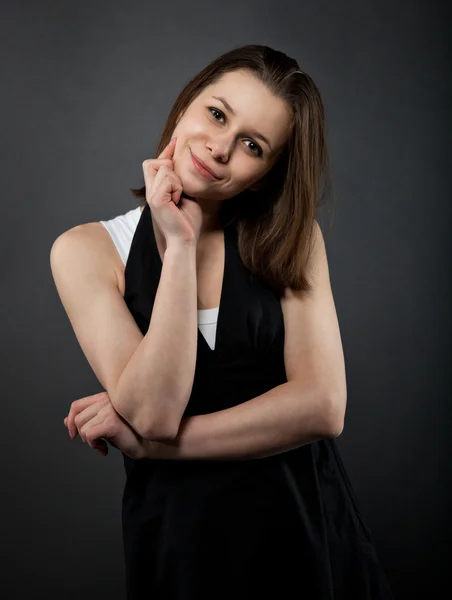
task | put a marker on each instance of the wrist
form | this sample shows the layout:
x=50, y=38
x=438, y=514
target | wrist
x=158, y=450
x=177, y=247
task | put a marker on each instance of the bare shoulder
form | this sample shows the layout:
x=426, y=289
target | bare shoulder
x=89, y=246
x=83, y=265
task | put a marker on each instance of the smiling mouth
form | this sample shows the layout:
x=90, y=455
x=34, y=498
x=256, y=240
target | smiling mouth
x=203, y=169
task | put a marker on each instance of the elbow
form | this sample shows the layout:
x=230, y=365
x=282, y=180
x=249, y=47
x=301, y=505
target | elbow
x=335, y=429
x=333, y=417
x=155, y=428
x=158, y=428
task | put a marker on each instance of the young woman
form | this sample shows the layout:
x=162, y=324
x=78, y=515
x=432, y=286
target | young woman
x=207, y=315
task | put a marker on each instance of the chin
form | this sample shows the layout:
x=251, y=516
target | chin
x=190, y=187
x=191, y=190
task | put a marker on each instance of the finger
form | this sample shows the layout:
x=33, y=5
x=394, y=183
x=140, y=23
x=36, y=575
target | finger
x=177, y=191
x=157, y=164
x=79, y=405
x=99, y=444
x=92, y=414
x=167, y=176
x=95, y=433
x=66, y=425
x=151, y=168
x=86, y=429
x=162, y=189
x=168, y=151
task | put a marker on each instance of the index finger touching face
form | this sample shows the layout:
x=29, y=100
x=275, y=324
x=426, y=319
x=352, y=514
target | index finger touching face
x=168, y=151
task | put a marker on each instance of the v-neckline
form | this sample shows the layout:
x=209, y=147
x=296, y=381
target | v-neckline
x=221, y=306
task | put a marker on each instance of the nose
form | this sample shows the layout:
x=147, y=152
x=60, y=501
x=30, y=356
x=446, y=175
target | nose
x=220, y=147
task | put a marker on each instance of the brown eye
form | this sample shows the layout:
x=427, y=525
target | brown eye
x=255, y=148
x=217, y=114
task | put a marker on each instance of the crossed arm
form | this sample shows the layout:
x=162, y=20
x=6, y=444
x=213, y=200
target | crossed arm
x=308, y=407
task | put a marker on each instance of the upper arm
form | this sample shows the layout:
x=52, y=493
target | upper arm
x=82, y=266
x=313, y=351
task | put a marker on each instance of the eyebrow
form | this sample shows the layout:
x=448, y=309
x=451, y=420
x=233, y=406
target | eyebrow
x=229, y=108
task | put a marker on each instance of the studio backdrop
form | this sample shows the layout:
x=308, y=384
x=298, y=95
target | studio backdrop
x=86, y=89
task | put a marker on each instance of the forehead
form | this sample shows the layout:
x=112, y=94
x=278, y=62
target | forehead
x=254, y=105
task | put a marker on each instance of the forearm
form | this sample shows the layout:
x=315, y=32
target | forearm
x=283, y=418
x=154, y=388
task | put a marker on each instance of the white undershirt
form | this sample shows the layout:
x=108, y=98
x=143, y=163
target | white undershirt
x=122, y=229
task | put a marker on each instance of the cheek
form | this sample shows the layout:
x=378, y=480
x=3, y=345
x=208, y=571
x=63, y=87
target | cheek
x=190, y=126
x=247, y=172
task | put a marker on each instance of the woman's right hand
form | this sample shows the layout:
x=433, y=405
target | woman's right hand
x=179, y=219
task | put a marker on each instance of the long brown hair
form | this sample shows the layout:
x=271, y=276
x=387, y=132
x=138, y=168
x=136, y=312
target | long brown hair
x=276, y=223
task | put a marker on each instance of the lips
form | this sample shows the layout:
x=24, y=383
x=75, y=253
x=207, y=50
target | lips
x=204, y=166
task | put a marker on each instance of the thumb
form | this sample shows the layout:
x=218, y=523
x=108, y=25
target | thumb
x=168, y=150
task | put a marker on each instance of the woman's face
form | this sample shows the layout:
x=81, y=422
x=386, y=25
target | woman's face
x=236, y=127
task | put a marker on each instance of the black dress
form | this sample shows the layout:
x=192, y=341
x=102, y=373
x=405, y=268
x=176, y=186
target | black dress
x=281, y=527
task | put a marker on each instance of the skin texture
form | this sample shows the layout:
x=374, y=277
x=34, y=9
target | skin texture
x=228, y=143
x=315, y=395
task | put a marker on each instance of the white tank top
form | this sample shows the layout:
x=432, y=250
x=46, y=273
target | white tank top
x=121, y=230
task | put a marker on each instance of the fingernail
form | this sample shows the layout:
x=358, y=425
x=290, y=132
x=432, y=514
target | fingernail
x=70, y=434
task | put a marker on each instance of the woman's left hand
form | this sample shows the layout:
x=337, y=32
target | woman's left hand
x=97, y=422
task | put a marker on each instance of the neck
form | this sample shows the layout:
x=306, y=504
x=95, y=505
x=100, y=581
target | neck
x=210, y=216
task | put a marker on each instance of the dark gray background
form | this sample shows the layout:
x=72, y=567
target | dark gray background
x=86, y=87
